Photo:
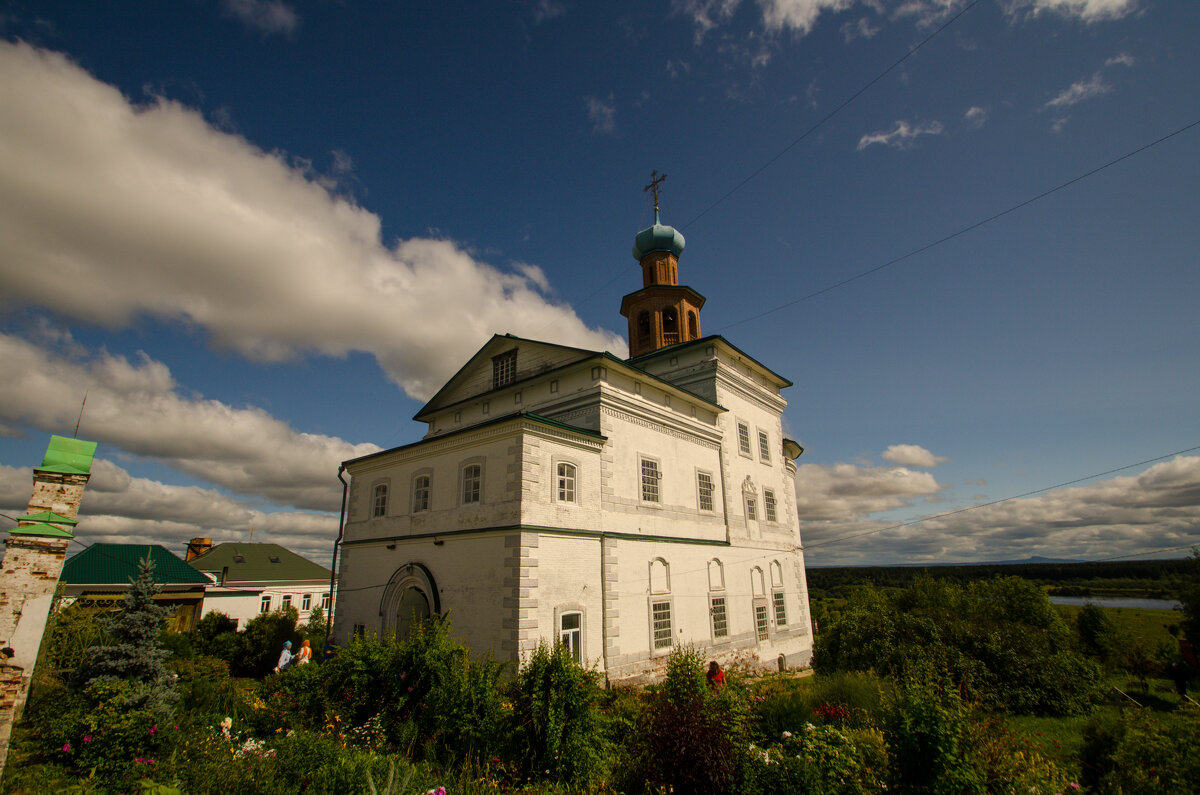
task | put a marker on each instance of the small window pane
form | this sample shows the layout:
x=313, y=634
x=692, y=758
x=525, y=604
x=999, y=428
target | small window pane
x=306, y=602
x=566, y=483
x=265, y=606
x=471, y=478
x=769, y=503
x=325, y=602
x=744, y=438
x=420, y=493
x=720, y=623
x=504, y=369
x=381, y=497
x=752, y=509
x=780, y=609
x=661, y=615
x=764, y=446
x=704, y=483
x=287, y=600
x=760, y=621
x=650, y=478
x=571, y=634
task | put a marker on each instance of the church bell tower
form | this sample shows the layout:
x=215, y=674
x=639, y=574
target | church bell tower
x=663, y=312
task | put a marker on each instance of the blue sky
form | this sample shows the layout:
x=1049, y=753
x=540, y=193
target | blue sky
x=260, y=233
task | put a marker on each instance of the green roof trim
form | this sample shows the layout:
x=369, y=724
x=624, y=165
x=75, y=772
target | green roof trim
x=257, y=563
x=68, y=456
x=47, y=516
x=41, y=529
x=117, y=564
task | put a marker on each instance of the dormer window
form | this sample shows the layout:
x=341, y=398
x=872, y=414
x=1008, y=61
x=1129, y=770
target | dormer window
x=239, y=558
x=274, y=559
x=504, y=369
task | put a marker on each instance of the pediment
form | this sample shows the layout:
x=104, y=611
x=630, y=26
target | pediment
x=476, y=377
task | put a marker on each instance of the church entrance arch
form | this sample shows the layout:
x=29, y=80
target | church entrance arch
x=410, y=596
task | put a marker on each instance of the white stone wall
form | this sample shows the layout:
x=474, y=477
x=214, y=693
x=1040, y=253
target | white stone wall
x=244, y=603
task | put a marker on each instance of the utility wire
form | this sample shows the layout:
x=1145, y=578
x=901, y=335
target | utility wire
x=995, y=502
x=965, y=229
x=912, y=51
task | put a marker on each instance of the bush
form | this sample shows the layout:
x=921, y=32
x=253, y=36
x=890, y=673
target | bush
x=696, y=738
x=556, y=724
x=788, y=704
x=820, y=759
x=263, y=640
x=1136, y=752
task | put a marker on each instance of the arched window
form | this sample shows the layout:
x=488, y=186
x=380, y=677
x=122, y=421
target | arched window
x=660, y=576
x=379, y=504
x=716, y=575
x=566, y=482
x=472, y=481
x=420, y=493
x=693, y=326
x=670, y=321
x=409, y=597
x=643, y=324
x=570, y=633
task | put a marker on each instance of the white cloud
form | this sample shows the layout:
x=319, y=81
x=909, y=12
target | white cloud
x=136, y=407
x=1122, y=59
x=798, y=15
x=975, y=117
x=544, y=10
x=705, y=14
x=852, y=492
x=602, y=114
x=113, y=212
x=902, y=136
x=860, y=28
x=911, y=455
x=1079, y=91
x=1085, y=10
x=265, y=16
x=1157, y=509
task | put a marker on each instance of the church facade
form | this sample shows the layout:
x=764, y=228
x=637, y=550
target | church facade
x=622, y=507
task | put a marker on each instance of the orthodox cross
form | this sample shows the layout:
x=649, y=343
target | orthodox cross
x=655, y=181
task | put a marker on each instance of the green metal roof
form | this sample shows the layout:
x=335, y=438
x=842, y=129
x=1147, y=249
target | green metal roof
x=117, y=564
x=68, y=456
x=46, y=516
x=257, y=563
x=41, y=529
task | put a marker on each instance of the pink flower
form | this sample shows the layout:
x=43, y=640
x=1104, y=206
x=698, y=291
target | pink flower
x=67, y=747
x=154, y=729
x=87, y=738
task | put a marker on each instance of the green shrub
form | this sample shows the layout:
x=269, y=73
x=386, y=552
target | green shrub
x=208, y=693
x=927, y=730
x=696, y=738
x=556, y=727
x=816, y=760
x=263, y=640
x=1138, y=752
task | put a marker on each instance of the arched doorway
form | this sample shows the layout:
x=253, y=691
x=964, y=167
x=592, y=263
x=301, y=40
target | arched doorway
x=410, y=597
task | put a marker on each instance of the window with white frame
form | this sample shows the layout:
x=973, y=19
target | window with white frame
x=287, y=600
x=325, y=603
x=720, y=620
x=743, y=431
x=265, y=605
x=769, y=505
x=472, y=478
x=306, y=602
x=651, y=477
x=660, y=617
x=751, y=508
x=570, y=634
x=761, y=621
x=504, y=369
x=780, y=608
x=704, y=485
x=420, y=493
x=566, y=474
x=379, y=504
x=764, y=446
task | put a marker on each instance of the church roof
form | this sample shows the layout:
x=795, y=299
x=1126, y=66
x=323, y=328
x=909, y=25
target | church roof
x=117, y=564
x=68, y=456
x=529, y=415
x=257, y=563
x=710, y=339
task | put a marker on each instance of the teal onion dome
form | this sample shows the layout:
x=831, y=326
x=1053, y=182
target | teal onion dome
x=658, y=238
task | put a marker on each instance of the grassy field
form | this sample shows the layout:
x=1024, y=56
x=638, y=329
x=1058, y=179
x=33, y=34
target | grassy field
x=1148, y=627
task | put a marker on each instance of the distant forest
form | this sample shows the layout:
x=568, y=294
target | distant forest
x=1151, y=578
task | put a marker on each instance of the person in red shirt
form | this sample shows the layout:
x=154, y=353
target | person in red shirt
x=715, y=676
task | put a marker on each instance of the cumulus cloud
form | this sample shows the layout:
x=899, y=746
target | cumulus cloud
x=115, y=211
x=1079, y=91
x=797, y=15
x=1086, y=10
x=705, y=14
x=902, y=137
x=1156, y=509
x=860, y=28
x=135, y=406
x=602, y=113
x=851, y=492
x=975, y=117
x=911, y=455
x=264, y=16
x=544, y=10
x=118, y=508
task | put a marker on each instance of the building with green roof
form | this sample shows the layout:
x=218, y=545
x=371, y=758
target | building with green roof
x=102, y=573
x=246, y=579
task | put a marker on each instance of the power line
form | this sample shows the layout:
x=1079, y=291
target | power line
x=912, y=51
x=965, y=229
x=995, y=502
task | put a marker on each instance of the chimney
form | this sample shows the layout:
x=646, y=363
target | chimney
x=197, y=547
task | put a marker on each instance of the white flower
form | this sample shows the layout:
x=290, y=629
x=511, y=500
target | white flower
x=787, y=735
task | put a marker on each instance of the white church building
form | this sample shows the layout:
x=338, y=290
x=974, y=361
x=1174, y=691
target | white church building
x=620, y=507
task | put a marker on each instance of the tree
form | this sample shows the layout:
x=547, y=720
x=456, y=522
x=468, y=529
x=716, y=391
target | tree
x=135, y=655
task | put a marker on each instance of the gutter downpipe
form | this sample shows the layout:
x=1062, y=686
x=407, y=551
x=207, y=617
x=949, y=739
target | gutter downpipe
x=333, y=569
